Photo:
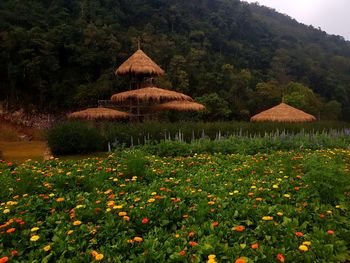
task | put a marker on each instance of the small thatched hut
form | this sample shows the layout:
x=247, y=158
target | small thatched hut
x=283, y=113
x=151, y=93
x=180, y=106
x=139, y=64
x=99, y=114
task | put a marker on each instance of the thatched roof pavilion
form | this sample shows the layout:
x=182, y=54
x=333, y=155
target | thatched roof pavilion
x=180, y=106
x=99, y=114
x=139, y=64
x=283, y=113
x=150, y=94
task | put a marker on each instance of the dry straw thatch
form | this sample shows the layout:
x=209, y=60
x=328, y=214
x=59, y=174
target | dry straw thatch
x=139, y=64
x=283, y=113
x=150, y=94
x=99, y=114
x=180, y=106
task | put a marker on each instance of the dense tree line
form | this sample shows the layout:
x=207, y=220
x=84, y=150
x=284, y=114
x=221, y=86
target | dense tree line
x=59, y=55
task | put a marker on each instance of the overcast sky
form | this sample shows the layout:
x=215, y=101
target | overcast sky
x=332, y=16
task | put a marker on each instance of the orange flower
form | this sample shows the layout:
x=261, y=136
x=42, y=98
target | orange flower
x=138, y=239
x=182, y=253
x=240, y=260
x=10, y=230
x=215, y=224
x=191, y=234
x=280, y=257
x=4, y=259
x=192, y=243
x=330, y=232
x=145, y=221
x=255, y=246
x=299, y=234
x=239, y=228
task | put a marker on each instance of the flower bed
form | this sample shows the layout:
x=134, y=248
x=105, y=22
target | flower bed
x=215, y=208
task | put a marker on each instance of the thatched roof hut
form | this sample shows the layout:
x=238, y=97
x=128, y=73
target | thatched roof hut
x=283, y=113
x=99, y=114
x=139, y=64
x=150, y=94
x=180, y=106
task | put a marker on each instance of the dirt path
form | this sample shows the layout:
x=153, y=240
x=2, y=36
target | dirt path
x=23, y=150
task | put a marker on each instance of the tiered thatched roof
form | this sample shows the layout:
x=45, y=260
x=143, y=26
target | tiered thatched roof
x=180, y=106
x=99, y=114
x=139, y=64
x=150, y=94
x=283, y=113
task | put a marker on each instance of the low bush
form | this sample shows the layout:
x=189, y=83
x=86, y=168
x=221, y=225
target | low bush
x=75, y=138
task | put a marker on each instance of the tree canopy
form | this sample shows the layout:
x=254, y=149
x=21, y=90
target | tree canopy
x=61, y=55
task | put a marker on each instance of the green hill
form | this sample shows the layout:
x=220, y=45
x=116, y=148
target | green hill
x=59, y=55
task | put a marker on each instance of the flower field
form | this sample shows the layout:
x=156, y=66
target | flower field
x=278, y=207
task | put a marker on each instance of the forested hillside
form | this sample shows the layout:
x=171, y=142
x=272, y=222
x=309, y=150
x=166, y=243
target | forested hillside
x=60, y=55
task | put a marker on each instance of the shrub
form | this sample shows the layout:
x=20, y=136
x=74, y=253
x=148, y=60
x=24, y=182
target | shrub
x=137, y=164
x=74, y=138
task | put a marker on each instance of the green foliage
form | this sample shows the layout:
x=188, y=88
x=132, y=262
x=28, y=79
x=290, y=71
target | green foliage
x=328, y=179
x=74, y=138
x=136, y=163
x=216, y=108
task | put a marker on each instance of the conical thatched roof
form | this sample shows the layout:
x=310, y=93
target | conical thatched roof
x=150, y=94
x=99, y=114
x=283, y=113
x=180, y=106
x=139, y=64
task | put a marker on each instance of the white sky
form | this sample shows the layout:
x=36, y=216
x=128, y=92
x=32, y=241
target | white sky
x=332, y=16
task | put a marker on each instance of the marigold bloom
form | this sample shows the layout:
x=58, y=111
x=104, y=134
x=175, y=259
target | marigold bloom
x=126, y=218
x=99, y=257
x=279, y=213
x=182, y=253
x=122, y=213
x=241, y=260
x=212, y=256
x=267, y=218
x=280, y=257
x=10, y=230
x=307, y=243
x=70, y=232
x=330, y=232
x=299, y=234
x=60, y=199
x=47, y=248
x=34, y=238
x=151, y=200
x=255, y=246
x=4, y=259
x=303, y=248
x=239, y=228
x=138, y=239
x=77, y=223
x=34, y=229
x=192, y=243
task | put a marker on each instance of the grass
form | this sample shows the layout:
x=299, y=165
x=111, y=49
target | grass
x=23, y=150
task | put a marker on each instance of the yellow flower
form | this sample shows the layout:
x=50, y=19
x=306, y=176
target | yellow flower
x=70, y=232
x=211, y=203
x=122, y=213
x=303, y=248
x=286, y=195
x=126, y=218
x=154, y=193
x=34, y=238
x=98, y=257
x=307, y=243
x=275, y=186
x=212, y=256
x=151, y=200
x=77, y=223
x=267, y=218
x=6, y=211
x=60, y=199
x=34, y=229
x=118, y=207
x=137, y=199
x=47, y=248
x=108, y=209
x=138, y=239
x=279, y=213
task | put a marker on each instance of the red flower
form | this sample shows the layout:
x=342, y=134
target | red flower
x=215, y=224
x=330, y=232
x=239, y=228
x=182, y=253
x=4, y=259
x=145, y=220
x=14, y=253
x=280, y=257
x=296, y=188
x=322, y=216
x=191, y=234
x=299, y=234
x=192, y=243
